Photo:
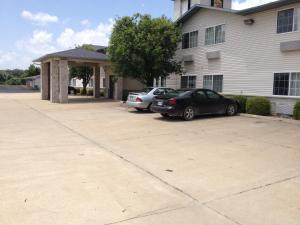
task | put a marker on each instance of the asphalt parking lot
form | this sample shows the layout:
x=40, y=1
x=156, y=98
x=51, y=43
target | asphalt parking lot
x=96, y=162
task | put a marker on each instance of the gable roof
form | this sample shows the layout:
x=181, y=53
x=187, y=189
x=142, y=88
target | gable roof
x=196, y=8
x=244, y=12
x=77, y=53
x=268, y=6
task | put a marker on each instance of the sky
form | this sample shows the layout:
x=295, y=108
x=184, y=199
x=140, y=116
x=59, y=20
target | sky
x=32, y=28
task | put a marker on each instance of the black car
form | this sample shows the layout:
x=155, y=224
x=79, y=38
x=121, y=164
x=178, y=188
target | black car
x=188, y=103
x=72, y=90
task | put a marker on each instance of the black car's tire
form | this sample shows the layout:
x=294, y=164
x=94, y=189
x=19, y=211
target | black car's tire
x=231, y=110
x=189, y=113
x=139, y=110
x=165, y=115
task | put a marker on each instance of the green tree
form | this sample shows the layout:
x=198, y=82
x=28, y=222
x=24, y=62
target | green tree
x=32, y=71
x=143, y=48
x=86, y=47
x=83, y=73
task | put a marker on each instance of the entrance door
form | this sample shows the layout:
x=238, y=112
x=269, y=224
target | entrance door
x=111, y=87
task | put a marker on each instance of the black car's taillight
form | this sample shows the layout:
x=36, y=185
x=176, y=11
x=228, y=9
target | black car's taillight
x=172, y=102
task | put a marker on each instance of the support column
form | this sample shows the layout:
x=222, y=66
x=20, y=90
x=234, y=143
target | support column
x=97, y=81
x=45, y=81
x=107, y=71
x=63, y=81
x=54, y=79
x=118, y=89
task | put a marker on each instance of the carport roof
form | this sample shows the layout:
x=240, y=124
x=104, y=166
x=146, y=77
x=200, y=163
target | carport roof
x=77, y=53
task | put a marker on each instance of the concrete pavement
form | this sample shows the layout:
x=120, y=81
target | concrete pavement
x=100, y=163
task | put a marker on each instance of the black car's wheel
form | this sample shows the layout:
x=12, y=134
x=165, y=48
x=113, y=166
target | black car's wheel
x=165, y=115
x=189, y=113
x=231, y=110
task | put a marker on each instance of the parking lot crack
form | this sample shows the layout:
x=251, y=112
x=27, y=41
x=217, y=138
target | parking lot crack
x=108, y=149
x=253, y=189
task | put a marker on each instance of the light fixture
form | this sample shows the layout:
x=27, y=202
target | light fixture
x=249, y=21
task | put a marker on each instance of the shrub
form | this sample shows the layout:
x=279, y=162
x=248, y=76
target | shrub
x=242, y=100
x=258, y=106
x=82, y=91
x=296, y=114
x=16, y=81
x=77, y=90
x=90, y=92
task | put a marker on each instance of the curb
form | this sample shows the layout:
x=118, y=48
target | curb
x=270, y=118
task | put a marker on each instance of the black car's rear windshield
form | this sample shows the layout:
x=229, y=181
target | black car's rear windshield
x=179, y=93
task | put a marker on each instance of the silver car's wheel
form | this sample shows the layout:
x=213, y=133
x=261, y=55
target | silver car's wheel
x=231, y=110
x=188, y=113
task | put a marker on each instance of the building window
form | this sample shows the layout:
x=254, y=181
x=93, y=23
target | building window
x=217, y=3
x=288, y=20
x=163, y=81
x=287, y=84
x=215, y=35
x=160, y=82
x=73, y=82
x=295, y=84
x=213, y=82
x=190, y=40
x=91, y=83
x=188, y=82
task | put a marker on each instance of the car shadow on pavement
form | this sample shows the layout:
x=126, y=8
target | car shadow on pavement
x=141, y=112
x=180, y=119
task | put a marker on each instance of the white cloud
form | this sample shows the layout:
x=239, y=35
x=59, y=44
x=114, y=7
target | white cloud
x=7, y=59
x=40, y=43
x=248, y=3
x=28, y=49
x=100, y=35
x=85, y=22
x=39, y=18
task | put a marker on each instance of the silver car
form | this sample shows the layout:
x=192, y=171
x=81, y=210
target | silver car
x=142, y=100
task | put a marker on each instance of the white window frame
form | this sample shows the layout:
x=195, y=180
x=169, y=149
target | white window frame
x=188, y=80
x=290, y=81
x=214, y=28
x=190, y=39
x=294, y=19
x=212, y=83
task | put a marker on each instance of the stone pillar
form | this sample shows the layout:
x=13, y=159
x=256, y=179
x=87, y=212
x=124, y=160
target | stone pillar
x=63, y=81
x=107, y=71
x=45, y=81
x=118, y=89
x=97, y=81
x=54, y=79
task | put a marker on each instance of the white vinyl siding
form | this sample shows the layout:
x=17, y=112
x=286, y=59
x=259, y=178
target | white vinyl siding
x=249, y=57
